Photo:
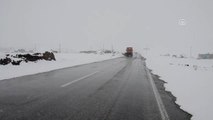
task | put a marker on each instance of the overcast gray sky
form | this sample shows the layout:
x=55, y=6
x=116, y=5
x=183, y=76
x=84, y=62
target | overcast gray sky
x=85, y=24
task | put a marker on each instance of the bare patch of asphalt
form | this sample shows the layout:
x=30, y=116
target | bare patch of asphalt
x=169, y=100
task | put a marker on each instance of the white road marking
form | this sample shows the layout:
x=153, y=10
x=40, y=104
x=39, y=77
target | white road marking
x=84, y=77
x=162, y=109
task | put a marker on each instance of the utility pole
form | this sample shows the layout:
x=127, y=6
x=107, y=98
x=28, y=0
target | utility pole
x=103, y=48
x=59, y=47
x=190, y=52
x=146, y=49
x=35, y=48
x=112, y=50
x=113, y=53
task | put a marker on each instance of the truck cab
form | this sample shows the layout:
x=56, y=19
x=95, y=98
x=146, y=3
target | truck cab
x=129, y=52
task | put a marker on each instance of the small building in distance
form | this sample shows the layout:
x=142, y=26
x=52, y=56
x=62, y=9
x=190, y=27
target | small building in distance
x=205, y=56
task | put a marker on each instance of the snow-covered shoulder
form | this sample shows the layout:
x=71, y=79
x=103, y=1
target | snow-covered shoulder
x=190, y=80
x=63, y=60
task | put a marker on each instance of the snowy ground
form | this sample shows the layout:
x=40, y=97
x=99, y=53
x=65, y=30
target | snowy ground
x=62, y=61
x=192, y=85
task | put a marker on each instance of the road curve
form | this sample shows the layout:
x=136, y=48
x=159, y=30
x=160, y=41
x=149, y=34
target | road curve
x=117, y=89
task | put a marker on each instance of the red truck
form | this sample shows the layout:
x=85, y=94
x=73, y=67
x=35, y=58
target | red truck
x=129, y=52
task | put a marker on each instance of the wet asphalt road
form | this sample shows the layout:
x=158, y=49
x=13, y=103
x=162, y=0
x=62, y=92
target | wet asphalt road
x=117, y=89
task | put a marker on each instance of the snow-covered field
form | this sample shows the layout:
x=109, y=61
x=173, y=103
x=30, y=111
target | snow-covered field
x=62, y=61
x=190, y=80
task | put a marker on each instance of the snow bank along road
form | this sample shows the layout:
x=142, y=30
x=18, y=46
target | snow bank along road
x=62, y=60
x=118, y=89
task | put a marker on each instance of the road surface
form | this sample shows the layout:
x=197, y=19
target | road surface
x=118, y=89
